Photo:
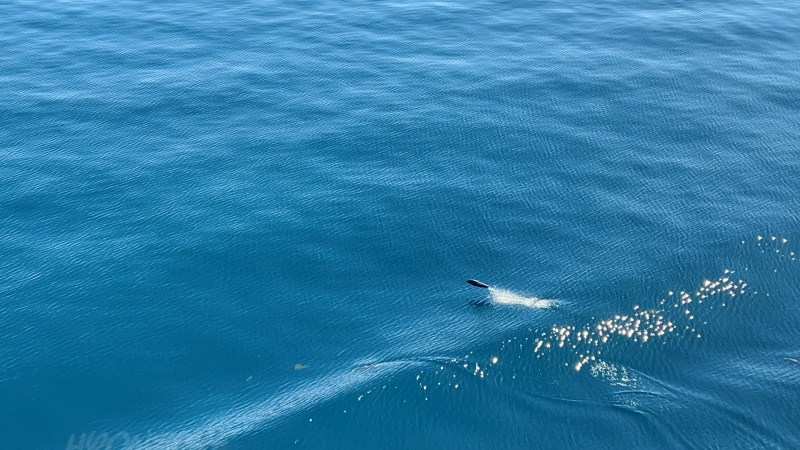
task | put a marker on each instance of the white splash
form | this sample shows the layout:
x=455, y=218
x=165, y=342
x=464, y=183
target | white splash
x=505, y=297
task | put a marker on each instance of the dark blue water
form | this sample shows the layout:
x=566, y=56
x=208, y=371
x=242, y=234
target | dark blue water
x=248, y=224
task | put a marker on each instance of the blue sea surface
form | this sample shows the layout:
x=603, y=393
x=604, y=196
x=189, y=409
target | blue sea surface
x=248, y=224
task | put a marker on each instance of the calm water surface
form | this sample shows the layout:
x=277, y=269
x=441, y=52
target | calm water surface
x=247, y=224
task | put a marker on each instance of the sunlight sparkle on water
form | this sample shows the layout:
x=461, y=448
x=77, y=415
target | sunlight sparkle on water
x=640, y=325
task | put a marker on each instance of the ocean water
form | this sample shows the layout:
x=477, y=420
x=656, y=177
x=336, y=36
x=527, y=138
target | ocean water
x=248, y=224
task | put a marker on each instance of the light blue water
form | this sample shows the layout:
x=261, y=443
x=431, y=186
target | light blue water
x=248, y=224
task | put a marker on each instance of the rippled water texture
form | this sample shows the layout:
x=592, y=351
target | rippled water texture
x=249, y=224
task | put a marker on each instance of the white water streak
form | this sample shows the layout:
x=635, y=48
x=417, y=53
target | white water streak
x=264, y=414
x=504, y=297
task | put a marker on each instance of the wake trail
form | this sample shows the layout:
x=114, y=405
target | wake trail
x=257, y=416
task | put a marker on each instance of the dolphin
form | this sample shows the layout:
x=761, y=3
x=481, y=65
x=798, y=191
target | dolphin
x=477, y=283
